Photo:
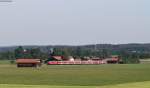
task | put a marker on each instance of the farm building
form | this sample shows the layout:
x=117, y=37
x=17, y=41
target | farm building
x=113, y=59
x=56, y=58
x=96, y=59
x=28, y=62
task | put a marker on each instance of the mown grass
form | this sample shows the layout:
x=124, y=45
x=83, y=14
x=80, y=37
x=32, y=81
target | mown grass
x=5, y=62
x=127, y=85
x=75, y=75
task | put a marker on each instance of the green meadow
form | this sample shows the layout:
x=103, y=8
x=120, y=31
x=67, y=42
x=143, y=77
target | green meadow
x=76, y=76
x=127, y=85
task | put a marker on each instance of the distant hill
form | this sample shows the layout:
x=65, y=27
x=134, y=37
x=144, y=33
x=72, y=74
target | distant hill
x=134, y=47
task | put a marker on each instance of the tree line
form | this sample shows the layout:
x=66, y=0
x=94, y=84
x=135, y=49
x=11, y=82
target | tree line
x=128, y=54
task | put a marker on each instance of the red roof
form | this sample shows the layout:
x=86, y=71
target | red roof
x=58, y=57
x=26, y=61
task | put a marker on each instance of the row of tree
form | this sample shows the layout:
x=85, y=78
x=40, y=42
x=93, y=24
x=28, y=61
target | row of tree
x=78, y=52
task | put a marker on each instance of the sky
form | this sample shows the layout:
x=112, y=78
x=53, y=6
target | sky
x=74, y=22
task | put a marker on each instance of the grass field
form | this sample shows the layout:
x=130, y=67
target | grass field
x=4, y=62
x=127, y=85
x=75, y=76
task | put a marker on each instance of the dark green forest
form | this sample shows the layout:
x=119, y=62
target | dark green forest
x=130, y=53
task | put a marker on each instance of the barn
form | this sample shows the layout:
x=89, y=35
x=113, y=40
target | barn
x=28, y=62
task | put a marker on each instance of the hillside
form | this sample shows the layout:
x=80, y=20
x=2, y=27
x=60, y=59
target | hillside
x=115, y=47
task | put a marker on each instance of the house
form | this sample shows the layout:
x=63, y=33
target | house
x=96, y=59
x=114, y=59
x=28, y=62
x=77, y=59
x=70, y=58
x=56, y=58
x=61, y=58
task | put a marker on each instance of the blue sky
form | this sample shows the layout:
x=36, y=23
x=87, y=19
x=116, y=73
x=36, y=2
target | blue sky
x=74, y=22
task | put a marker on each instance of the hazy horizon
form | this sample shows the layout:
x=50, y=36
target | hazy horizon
x=74, y=22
